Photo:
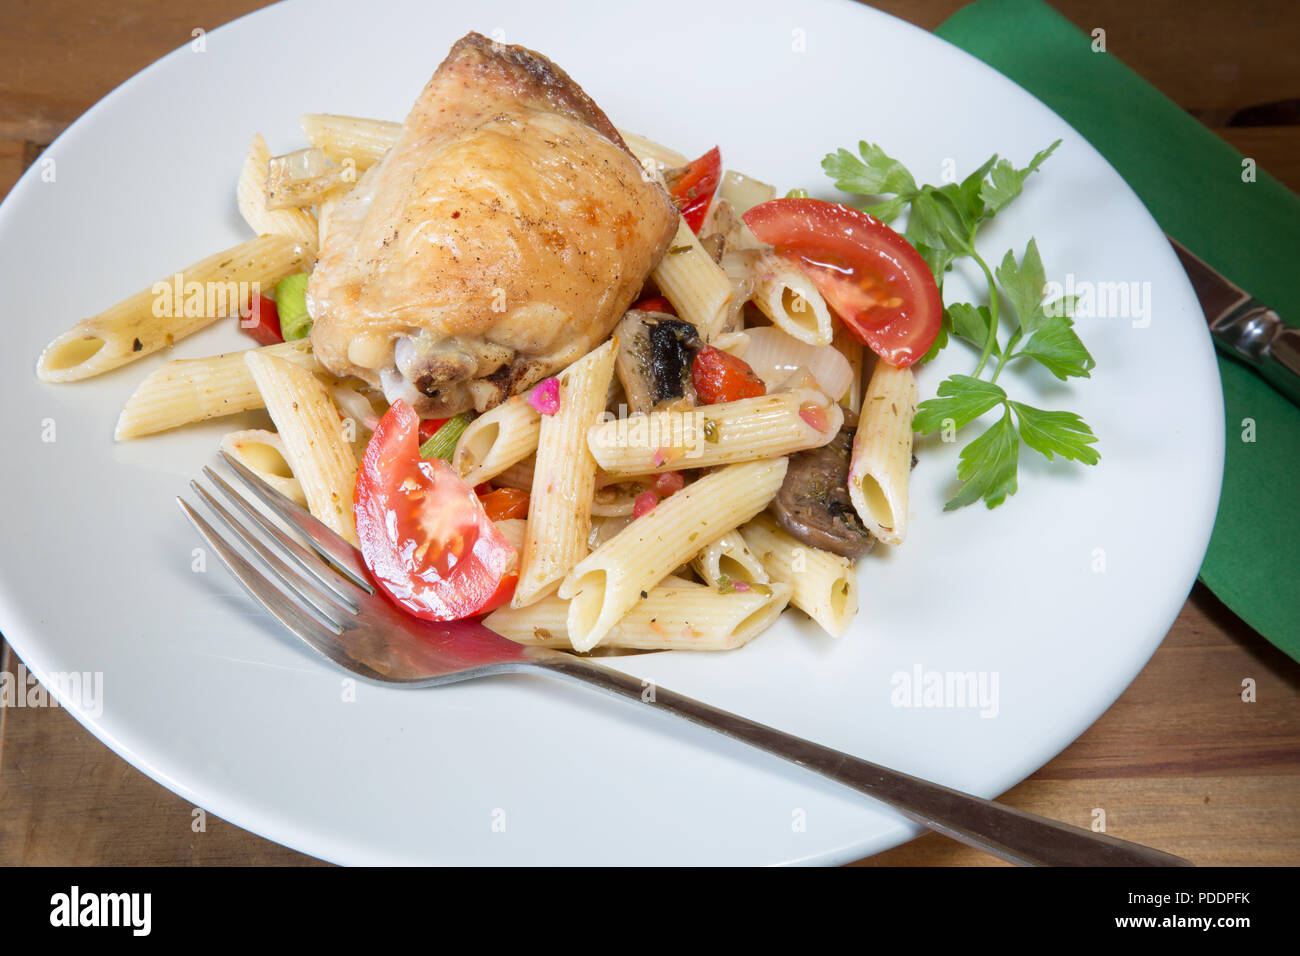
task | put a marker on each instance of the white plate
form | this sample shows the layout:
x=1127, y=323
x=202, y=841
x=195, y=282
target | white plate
x=207, y=695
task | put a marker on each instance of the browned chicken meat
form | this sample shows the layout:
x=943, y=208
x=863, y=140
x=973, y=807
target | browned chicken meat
x=501, y=238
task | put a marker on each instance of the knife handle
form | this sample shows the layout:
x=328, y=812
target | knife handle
x=1255, y=333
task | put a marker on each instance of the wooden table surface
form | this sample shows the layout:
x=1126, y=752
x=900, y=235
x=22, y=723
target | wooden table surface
x=1179, y=762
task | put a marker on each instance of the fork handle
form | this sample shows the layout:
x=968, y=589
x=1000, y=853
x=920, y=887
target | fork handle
x=1011, y=834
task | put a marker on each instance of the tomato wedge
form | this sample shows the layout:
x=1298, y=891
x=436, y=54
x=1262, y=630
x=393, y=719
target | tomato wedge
x=869, y=274
x=693, y=187
x=424, y=535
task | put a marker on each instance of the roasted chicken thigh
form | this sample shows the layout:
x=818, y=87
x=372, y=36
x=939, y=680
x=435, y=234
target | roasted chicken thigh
x=502, y=237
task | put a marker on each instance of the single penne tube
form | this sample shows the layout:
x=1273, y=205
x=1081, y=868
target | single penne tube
x=855, y=352
x=250, y=194
x=263, y=453
x=825, y=585
x=728, y=560
x=316, y=448
x=675, y=616
x=195, y=390
x=607, y=583
x=497, y=439
x=881, y=466
x=343, y=138
x=651, y=154
x=172, y=308
x=697, y=286
x=721, y=434
x=564, y=478
x=788, y=297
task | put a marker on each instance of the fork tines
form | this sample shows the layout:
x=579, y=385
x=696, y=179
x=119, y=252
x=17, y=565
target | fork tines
x=324, y=587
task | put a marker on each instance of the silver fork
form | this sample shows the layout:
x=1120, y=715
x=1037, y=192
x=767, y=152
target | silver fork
x=324, y=596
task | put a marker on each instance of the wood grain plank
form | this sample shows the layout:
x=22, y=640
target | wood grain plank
x=1237, y=820
x=67, y=800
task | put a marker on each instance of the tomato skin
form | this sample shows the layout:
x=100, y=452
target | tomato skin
x=721, y=377
x=644, y=503
x=668, y=483
x=654, y=303
x=505, y=503
x=424, y=535
x=429, y=427
x=869, y=274
x=265, y=327
x=693, y=190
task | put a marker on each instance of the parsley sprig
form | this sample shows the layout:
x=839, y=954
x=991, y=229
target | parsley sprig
x=942, y=224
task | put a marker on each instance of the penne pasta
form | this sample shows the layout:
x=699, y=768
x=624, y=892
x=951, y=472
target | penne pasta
x=721, y=434
x=855, y=352
x=825, y=585
x=728, y=560
x=497, y=439
x=788, y=297
x=675, y=616
x=297, y=224
x=607, y=583
x=195, y=390
x=171, y=309
x=343, y=138
x=263, y=453
x=881, y=466
x=697, y=286
x=317, y=450
x=564, y=479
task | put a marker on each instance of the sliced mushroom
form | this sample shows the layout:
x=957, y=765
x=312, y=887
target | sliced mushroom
x=655, y=354
x=813, y=503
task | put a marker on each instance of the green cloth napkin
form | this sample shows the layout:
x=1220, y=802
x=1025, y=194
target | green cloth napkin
x=1191, y=181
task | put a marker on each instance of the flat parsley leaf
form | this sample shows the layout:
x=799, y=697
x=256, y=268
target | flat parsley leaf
x=876, y=174
x=1056, y=433
x=988, y=466
x=1046, y=333
x=961, y=399
x=1005, y=181
x=1023, y=284
x=971, y=324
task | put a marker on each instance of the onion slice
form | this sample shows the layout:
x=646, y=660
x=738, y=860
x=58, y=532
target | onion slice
x=775, y=355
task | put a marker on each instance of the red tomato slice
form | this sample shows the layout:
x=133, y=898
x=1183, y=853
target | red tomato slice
x=869, y=274
x=261, y=321
x=424, y=535
x=429, y=427
x=692, y=190
x=721, y=377
x=654, y=303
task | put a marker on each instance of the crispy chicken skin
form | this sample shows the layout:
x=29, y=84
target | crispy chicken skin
x=501, y=238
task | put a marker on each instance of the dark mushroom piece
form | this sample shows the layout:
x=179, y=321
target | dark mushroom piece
x=655, y=355
x=813, y=503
